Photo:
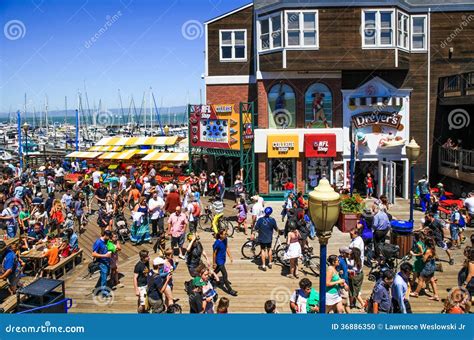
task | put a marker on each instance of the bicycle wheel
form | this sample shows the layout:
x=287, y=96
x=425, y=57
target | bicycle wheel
x=229, y=227
x=280, y=255
x=313, y=263
x=250, y=250
x=202, y=221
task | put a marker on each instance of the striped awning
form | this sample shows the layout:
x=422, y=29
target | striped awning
x=137, y=141
x=106, y=148
x=83, y=154
x=157, y=156
x=375, y=101
x=124, y=155
x=109, y=155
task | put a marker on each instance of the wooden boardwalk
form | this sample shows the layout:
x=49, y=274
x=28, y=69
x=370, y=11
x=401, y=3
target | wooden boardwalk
x=253, y=285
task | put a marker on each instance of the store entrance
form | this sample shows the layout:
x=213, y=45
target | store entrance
x=362, y=168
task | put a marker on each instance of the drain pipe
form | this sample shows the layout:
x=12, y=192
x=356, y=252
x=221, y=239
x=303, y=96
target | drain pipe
x=428, y=95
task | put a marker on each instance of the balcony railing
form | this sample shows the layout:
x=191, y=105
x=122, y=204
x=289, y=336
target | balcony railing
x=457, y=85
x=460, y=159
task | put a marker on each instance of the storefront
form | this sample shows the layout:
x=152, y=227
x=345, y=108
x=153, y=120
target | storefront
x=376, y=117
x=303, y=156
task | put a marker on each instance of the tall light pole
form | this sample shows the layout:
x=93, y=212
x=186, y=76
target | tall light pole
x=413, y=152
x=25, y=129
x=324, y=213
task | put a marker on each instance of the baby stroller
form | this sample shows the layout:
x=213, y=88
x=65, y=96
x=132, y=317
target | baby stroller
x=387, y=260
x=121, y=228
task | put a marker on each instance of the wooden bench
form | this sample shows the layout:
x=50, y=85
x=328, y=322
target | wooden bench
x=4, y=284
x=51, y=271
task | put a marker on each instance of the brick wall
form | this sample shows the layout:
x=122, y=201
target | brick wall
x=262, y=174
x=230, y=94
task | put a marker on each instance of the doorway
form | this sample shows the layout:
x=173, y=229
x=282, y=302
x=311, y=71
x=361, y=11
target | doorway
x=362, y=168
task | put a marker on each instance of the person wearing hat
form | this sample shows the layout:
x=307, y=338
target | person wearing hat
x=156, y=286
x=9, y=267
x=10, y=215
x=102, y=257
x=197, y=302
x=265, y=227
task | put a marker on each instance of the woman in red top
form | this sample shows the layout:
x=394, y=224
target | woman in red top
x=56, y=213
x=369, y=185
x=289, y=185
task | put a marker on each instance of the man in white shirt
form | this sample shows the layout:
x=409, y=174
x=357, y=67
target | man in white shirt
x=257, y=209
x=221, y=185
x=155, y=205
x=123, y=181
x=59, y=176
x=96, y=179
x=357, y=242
x=469, y=204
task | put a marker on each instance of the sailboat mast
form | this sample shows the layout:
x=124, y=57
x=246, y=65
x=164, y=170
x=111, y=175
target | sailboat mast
x=151, y=112
x=65, y=108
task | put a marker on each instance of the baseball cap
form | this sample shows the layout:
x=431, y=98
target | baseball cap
x=198, y=282
x=345, y=250
x=158, y=261
x=108, y=233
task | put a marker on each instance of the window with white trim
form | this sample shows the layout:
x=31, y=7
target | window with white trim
x=233, y=45
x=270, y=33
x=378, y=28
x=403, y=33
x=301, y=29
x=418, y=32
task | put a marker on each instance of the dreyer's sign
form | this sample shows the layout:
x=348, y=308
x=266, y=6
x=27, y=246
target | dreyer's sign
x=392, y=119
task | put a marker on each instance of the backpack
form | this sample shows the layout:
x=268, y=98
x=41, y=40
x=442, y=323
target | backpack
x=462, y=221
x=196, y=209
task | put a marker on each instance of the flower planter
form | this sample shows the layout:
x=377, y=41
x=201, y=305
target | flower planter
x=347, y=222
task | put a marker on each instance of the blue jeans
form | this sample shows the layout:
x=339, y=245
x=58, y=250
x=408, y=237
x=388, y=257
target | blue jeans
x=104, y=272
x=221, y=191
x=425, y=201
x=11, y=230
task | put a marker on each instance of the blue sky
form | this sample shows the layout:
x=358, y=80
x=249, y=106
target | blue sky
x=47, y=48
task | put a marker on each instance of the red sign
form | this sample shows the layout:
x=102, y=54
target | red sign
x=320, y=145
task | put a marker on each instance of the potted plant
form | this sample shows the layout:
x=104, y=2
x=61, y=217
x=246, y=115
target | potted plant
x=351, y=208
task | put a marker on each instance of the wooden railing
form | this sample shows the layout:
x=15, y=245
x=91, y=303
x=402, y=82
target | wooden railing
x=457, y=85
x=460, y=159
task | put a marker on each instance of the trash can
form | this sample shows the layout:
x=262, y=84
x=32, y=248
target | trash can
x=402, y=236
x=41, y=293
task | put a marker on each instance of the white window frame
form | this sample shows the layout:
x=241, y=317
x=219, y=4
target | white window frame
x=400, y=30
x=270, y=32
x=378, y=28
x=233, y=58
x=425, y=32
x=301, y=29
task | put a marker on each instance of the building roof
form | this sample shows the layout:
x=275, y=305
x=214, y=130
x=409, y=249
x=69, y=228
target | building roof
x=409, y=5
x=228, y=13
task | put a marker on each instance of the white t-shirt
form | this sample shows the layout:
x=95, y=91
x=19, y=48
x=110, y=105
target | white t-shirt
x=190, y=210
x=96, y=177
x=258, y=210
x=156, y=207
x=123, y=182
x=59, y=172
x=300, y=302
x=146, y=188
x=469, y=204
x=358, y=242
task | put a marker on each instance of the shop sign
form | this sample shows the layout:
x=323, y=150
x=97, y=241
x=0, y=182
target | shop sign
x=391, y=119
x=247, y=133
x=320, y=145
x=283, y=146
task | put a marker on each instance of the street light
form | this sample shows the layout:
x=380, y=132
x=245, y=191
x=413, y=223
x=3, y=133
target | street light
x=413, y=152
x=324, y=213
x=25, y=129
x=167, y=130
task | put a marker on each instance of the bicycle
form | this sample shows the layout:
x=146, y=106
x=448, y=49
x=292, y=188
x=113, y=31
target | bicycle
x=308, y=260
x=224, y=222
x=251, y=249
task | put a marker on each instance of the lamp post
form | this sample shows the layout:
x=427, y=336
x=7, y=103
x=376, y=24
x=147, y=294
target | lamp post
x=413, y=152
x=166, y=130
x=324, y=213
x=25, y=129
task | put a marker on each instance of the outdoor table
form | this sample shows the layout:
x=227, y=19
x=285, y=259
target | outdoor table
x=449, y=203
x=448, y=194
x=36, y=256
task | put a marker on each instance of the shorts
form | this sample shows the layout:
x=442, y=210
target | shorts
x=265, y=245
x=370, y=190
x=241, y=220
x=454, y=230
x=177, y=241
x=142, y=296
x=345, y=297
x=443, y=245
x=59, y=180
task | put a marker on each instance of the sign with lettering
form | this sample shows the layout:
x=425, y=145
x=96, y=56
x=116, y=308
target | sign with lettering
x=283, y=146
x=215, y=126
x=320, y=145
x=391, y=119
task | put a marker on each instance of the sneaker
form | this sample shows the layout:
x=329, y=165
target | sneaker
x=181, y=257
x=270, y=265
x=262, y=268
x=233, y=293
x=451, y=262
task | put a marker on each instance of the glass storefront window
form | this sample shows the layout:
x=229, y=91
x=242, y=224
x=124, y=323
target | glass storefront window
x=281, y=107
x=279, y=172
x=318, y=106
x=316, y=168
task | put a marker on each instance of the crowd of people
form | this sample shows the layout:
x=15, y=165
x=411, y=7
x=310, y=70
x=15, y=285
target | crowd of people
x=47, y=213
